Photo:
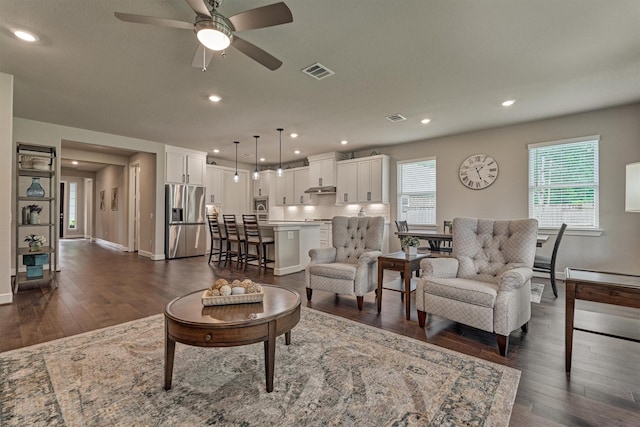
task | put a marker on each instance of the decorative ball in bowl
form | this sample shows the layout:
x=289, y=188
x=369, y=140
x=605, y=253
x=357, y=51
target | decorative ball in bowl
x=223, y=292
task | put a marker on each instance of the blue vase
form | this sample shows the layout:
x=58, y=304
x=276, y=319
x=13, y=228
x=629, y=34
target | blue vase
x=35, y=189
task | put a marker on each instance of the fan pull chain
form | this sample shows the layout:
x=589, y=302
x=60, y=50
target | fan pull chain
x=204, y=59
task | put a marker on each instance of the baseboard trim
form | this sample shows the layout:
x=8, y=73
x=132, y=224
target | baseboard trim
x=111, y=244
x=559, y=275
x=6, y=298
x=151, y=256
x=287, y=270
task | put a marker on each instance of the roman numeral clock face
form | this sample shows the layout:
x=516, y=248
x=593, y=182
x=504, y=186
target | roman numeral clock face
x=478, y=171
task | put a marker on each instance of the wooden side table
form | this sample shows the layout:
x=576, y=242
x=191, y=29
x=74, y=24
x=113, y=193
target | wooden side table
x=608, y=288
x=406, y=264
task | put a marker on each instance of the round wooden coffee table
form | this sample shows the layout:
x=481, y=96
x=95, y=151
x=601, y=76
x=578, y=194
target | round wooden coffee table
x=187, y=321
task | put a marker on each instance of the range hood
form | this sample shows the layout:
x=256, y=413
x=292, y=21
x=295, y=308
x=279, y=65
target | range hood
x=328, y=189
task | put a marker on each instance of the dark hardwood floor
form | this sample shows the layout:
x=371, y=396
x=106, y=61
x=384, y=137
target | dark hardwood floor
x=100, y=286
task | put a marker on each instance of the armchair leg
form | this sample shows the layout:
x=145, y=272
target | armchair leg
x=525, y=327
x=360, y=302
x=422, y=317
x=309, y=292
x=503, y=344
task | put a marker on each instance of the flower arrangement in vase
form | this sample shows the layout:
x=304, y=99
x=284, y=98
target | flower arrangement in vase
x=410, y=244
x=35, y=242
x=34, y=214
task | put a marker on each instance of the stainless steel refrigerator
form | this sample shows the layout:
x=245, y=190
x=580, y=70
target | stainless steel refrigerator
x=185, y=221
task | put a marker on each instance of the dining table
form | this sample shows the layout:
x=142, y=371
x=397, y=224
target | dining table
x=441, y=242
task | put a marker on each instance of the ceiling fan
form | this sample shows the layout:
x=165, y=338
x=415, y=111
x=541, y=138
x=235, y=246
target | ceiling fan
x=216, y=32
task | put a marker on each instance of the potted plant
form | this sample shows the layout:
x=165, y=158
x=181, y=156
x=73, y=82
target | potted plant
x=34, y=214
x=410, y=244
x=35, y=242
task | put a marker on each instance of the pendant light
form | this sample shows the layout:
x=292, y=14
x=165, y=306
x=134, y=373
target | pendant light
x=236, y=178
x=280, y=166
x=256, y=175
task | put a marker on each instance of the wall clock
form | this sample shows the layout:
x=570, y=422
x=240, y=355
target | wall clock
x=478, y=171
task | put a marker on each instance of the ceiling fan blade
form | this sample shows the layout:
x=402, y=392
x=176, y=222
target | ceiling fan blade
x=163, y=22
x=198, y=7
x=255, y=53
x=261, y=17
x=202, y=57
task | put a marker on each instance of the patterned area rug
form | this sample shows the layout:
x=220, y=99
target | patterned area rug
x=536, y=292
x=335, y=372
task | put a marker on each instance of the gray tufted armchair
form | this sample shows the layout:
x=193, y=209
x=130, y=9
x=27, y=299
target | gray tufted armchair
x=351, y=265
x=487, y=282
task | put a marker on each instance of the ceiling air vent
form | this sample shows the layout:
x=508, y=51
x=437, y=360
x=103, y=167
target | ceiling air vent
x=396, y=118
x=318, y=71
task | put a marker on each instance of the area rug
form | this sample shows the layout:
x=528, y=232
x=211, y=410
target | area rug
x=536, y=292
x=336, y=372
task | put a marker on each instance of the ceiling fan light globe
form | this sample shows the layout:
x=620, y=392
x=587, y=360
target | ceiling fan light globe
x=214, y=33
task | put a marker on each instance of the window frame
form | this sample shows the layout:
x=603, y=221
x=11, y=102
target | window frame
x=399, y=167
x=594, y=228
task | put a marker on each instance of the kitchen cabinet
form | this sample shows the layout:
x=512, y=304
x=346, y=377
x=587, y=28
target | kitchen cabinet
x=300, y=184
x=373, y=179
x=214, y=183
x=262, y=186
x=285, y=188
x=322, y=169
x=236, y=194
x=347, y=188
x=363, y=180
x=185, y=168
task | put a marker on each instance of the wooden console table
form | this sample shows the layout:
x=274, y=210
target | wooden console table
x=597, y=286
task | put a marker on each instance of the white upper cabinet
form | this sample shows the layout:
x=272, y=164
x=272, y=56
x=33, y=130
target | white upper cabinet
x=363, y=180
x=300, y=184
x=322, y=169
x=182, y=167
x=215, y=185
x=285, y=191
x=262, y=186
x=347, y=188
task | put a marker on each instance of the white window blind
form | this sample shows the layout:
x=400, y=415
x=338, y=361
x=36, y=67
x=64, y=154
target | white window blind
x=417, y=191
x=73, y=197
x=563, y=183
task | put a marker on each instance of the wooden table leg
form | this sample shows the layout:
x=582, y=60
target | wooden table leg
x=270, y=355
x=287, y=338
x=380, y=273
x=169, y=353
x=569, y=318
x=407, y=289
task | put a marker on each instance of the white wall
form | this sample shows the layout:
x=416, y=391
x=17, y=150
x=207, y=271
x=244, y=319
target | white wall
x=7, y=152
x=51, y=134
x=617, y=249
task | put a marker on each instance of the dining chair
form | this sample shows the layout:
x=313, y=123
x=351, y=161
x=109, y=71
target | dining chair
x=233, y=237
x=253, y=236
x=217, y=235
x=547, y=265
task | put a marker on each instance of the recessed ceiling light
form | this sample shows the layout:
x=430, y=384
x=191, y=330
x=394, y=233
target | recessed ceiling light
x=508, y=102
x=215, y=150
x=25, y=35
x=215, y=98
x=296, y=151
x=344, y=142
x=294, y=135
x=262, y=159
x=425, y=121
x=74, y=162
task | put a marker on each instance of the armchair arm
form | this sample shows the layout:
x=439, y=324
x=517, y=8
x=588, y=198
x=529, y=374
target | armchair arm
x=514, y=278
x=369, y=257
x=439, y=267
x=322, y=255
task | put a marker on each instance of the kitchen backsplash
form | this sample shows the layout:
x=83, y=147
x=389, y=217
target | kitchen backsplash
x=326, y=208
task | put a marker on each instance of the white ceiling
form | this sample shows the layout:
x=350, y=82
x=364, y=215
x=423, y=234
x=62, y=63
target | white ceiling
x=452, y=61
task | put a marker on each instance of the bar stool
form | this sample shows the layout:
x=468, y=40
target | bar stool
x=233, y=236
x=253, y=236
x=217, y=235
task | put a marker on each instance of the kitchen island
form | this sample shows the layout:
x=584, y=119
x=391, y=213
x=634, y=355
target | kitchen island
x=292, y=243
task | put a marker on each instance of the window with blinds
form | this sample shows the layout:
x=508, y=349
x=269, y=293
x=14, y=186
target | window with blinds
x=417, y=191
x=563, y=183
